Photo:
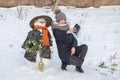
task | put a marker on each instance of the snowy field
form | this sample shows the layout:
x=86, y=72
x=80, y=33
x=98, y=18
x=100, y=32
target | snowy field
x=100, y=30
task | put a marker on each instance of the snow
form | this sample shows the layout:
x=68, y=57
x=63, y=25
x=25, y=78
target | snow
x=99, y=30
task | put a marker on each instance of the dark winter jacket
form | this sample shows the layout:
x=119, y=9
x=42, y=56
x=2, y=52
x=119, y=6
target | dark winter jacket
x=46, y=52
x=64, y=44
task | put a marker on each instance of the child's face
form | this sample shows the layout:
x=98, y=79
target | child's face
x=62, y=21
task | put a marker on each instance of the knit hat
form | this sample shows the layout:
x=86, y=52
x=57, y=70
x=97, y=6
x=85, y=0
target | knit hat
x=59, y=15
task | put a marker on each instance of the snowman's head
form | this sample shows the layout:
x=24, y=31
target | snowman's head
x=40, y=22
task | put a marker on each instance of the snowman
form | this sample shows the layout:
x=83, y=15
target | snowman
x=42, y=36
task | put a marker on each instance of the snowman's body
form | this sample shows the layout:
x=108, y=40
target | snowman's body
x=35, y=65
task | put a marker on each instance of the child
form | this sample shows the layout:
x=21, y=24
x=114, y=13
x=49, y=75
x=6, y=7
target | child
x=67, y=44
x=42, y=36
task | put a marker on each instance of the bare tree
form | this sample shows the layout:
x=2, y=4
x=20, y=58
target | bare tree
x=93, y=1
x=22, y=11
x=54, y=4
x=19, y=9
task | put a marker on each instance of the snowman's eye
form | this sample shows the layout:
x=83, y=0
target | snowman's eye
x=42, y=22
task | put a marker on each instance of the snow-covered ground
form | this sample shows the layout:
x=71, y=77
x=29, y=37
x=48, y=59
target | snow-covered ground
x=100, y=30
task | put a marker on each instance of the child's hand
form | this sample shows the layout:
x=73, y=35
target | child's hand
x=73, y=51
x=70, y=31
